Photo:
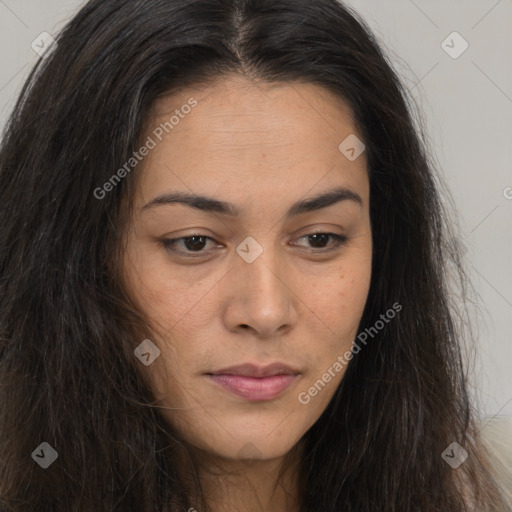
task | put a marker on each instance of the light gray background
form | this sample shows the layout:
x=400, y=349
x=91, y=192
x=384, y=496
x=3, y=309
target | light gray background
x=467, y=103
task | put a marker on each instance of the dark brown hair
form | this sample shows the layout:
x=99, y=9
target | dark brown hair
x=68, y=375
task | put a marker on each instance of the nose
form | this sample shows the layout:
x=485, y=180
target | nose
x=261, y=297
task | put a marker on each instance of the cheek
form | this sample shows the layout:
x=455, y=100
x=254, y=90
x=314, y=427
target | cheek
x=339, y=301
x=175, y=312
x=340, y=309
x=164, y=296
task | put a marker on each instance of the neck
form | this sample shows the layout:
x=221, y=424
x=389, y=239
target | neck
x=249, y=485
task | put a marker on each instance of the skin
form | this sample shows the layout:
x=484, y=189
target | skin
x=261, y=147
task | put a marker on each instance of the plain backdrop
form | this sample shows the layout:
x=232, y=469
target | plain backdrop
x=466, y=100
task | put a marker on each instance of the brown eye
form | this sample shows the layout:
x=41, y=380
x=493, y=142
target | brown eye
x=320, y=241
x=192, y=244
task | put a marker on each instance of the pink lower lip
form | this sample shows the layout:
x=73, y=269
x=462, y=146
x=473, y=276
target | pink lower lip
x=255, y=388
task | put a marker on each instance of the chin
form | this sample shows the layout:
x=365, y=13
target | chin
x=251, y=449
x=245, y=444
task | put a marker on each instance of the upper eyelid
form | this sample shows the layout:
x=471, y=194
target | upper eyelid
x=213, y=239
x=338, y=239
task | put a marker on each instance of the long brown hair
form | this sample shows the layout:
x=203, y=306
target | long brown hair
x=68, y=375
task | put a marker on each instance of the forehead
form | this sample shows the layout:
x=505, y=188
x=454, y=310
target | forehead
x=242, y=132
x=235, y=105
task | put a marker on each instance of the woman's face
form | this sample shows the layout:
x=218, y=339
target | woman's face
x=256, y=286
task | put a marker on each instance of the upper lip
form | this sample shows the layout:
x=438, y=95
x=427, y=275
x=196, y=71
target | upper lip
x=252, y=370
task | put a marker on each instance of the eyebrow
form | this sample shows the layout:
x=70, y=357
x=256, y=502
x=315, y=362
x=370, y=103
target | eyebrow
x=210, y=204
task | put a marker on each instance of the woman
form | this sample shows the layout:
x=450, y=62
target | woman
x=224, y=273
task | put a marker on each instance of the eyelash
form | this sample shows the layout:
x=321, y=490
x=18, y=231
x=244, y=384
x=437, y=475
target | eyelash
x=170, y=243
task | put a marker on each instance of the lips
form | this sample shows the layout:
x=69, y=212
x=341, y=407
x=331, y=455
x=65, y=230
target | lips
x=255, y=383
x=251, y=370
